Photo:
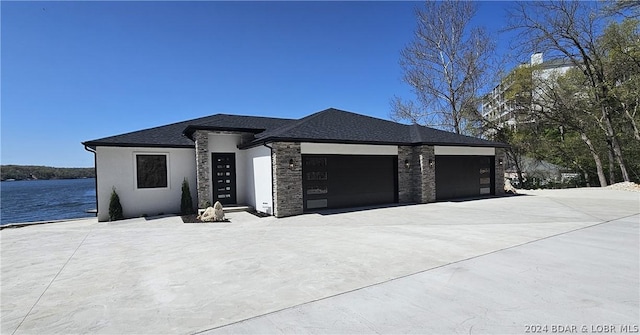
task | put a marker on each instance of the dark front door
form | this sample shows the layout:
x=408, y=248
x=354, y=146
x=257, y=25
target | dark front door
x=224, y=178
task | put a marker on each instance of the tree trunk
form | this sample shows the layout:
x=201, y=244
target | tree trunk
x=455, y=114
x=596, y=158
x=519, y=173
x=585, y=173
x=611, y=136
x=586, y=178
x=632, y=120
x=612, y=164
x=636, y=132
x=618, y=155
x=520, y=178
x=516, y=163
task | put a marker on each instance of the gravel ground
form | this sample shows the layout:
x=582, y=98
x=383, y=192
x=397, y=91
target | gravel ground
x=626, y=186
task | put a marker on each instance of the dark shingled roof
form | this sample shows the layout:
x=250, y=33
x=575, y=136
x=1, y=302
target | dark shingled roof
x=250, y=124
x=176, y=135
x=328, y=126
x=425, y=135
x=338, y=126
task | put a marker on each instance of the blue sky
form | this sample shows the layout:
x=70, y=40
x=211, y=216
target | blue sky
x=77, y=71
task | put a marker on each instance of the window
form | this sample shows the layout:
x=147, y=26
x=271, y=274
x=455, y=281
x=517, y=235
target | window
x=317, y=162
x=317, y=190
x=151, y=171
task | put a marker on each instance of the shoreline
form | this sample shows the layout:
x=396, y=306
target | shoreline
x=40, y=179
x=36, y=223
x=27, y=202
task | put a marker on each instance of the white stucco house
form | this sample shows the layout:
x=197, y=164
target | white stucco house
x=283, y=167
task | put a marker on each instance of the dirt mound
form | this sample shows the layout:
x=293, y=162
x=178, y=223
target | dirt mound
x=626, y=186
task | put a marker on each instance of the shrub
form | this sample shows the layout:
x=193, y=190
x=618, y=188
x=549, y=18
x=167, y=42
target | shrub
x=115, y=208
x=186, y=203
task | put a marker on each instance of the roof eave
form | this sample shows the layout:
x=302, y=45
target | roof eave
x=189, y=130
x=93, y=145
x=263, y=141
x=477, y=145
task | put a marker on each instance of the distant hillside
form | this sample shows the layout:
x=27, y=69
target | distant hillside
x=26, y=172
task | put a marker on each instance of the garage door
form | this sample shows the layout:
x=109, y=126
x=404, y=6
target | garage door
x=464, y=176
x=338, y=181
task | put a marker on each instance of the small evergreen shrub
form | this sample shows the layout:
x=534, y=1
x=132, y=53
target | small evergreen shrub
x=115, y=208
x=186, y=203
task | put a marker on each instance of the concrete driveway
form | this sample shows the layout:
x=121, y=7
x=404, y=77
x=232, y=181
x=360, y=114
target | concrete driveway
x=502, y=265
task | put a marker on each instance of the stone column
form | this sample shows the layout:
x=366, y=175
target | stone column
x=286, y=161
x=424, y=178
x=203, y=168
x=499, y=174
x=405, y=182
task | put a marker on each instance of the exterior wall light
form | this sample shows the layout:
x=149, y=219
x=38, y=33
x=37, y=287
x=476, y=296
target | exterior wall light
x=291, y=164
x=500, y=161
x=407, y=164
x=430, y=162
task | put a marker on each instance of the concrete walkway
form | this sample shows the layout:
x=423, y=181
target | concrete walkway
x=562, y=257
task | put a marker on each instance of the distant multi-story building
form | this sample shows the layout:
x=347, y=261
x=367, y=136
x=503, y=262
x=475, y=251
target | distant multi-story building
x=501, y=108
x=505, y=106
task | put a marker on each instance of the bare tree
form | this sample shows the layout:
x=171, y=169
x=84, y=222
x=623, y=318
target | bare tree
x=569, y=29
x=627, y=8
x=445, y=65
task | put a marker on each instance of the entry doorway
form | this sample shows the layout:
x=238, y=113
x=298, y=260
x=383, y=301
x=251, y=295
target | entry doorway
x=224, y=178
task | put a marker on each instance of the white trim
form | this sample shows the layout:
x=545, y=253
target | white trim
x=167, y=158
x=463, y=151
x=347, y=149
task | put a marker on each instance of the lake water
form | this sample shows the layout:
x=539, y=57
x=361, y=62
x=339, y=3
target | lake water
x=40, y=200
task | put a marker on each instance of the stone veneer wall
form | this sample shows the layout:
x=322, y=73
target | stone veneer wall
x=287, y=183
x=499, y=174
x=405, y=180
x=416, y=184
x=424, y=176
x=203, y=168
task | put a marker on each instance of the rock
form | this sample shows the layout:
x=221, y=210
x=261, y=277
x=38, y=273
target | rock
x=213, y=214
x=218, y=213
x=508, y=188
x=208, y=215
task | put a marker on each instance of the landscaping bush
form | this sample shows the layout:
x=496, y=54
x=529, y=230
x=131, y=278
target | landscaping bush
x=115, y=208
x=186, y=203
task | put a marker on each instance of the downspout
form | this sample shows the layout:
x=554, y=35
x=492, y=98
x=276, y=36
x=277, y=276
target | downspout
x=95, y=171
x=273, y=202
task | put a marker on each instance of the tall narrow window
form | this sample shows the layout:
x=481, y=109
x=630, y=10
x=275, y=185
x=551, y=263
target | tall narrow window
x=151, y=171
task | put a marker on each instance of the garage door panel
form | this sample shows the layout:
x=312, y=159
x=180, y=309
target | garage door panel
x=358, y=182
x=463, y=176
x=364, y=199
x=351, y=180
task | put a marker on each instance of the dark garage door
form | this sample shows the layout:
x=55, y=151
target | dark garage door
x=464, y=176
x=338, y=181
